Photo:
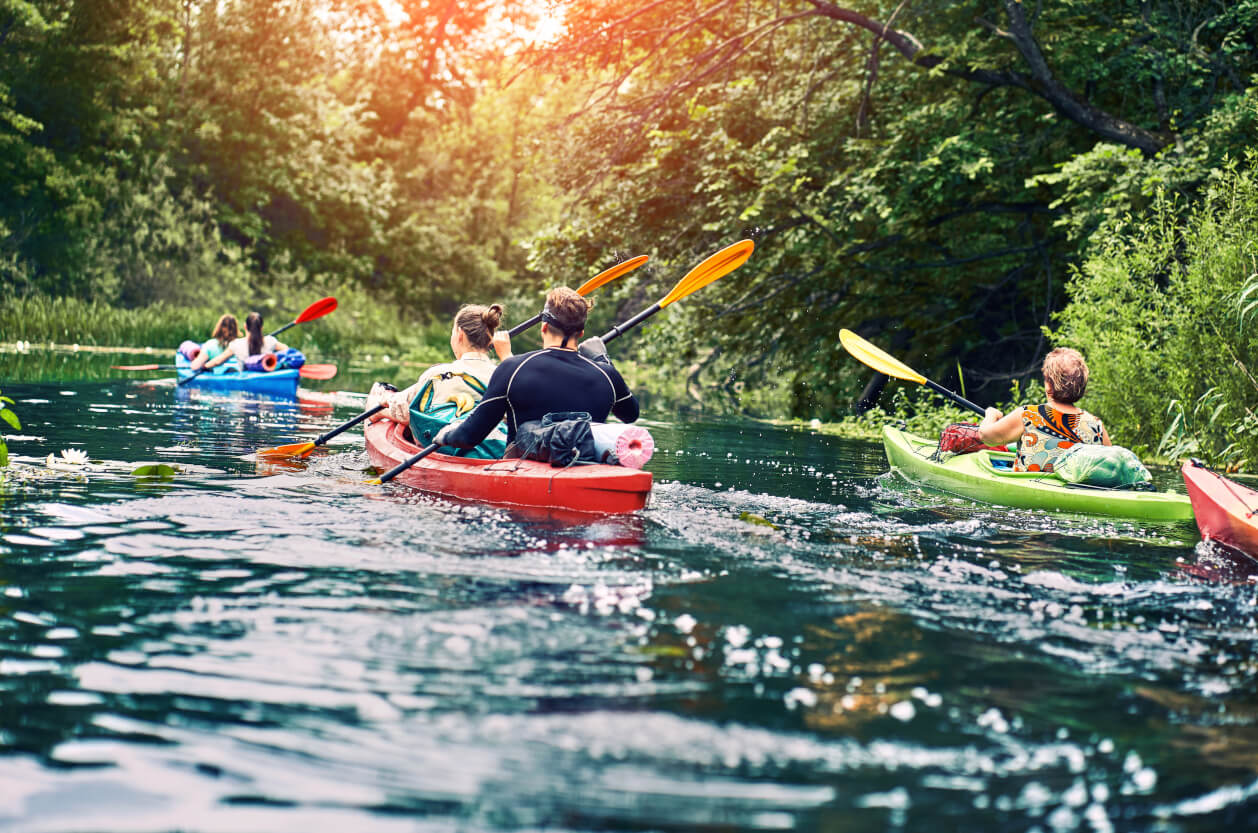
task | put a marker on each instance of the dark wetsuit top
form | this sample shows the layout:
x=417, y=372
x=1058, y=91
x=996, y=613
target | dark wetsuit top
x=532, y=385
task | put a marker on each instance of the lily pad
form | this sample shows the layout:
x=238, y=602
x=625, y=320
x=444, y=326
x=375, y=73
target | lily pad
x=158, y=470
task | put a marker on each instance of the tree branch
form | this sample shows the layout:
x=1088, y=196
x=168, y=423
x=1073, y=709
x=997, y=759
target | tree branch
x=1038, y=81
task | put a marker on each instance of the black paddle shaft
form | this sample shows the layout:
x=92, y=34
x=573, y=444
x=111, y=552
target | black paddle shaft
x=407, y=463
x=621, y=329
x=370, y=412
x=955, y=397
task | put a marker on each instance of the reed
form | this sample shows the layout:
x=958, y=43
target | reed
x=41, y=320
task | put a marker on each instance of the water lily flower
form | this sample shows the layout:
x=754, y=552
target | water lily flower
x=69, y=457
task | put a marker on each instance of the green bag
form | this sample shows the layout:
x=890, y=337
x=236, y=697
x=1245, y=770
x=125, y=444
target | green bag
x=1108, y=466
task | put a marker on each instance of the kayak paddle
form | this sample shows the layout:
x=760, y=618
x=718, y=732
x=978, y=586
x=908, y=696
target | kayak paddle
x=715, y=266
x=604, y=277
x=402, y=466
x=303, y=449
x=317, y=371
x=869, y=355
x=318, y=309
x=307, y=371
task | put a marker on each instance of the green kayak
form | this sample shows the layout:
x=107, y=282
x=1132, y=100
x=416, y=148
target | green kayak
x=988, y=476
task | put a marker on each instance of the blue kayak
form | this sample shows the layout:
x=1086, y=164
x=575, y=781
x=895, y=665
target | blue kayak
x=230, y=376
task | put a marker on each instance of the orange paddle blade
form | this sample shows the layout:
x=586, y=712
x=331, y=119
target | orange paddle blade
x=717, y=265
x=318, y=309
x=317, y=371
x=293, y=450
x=135, y=367
x=609, y=275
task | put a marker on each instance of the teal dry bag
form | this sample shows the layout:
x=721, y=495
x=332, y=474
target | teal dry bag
x=1107, y=466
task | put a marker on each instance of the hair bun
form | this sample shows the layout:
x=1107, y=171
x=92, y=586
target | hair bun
x=492, y=316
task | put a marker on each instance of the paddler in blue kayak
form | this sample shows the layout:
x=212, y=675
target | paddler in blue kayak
x=1045, y=432
x=225, y=332
x=251, y=347
x=558, y=379
x=462, y=381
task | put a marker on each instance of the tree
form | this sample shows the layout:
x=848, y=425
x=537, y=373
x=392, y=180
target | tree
x=924, y=194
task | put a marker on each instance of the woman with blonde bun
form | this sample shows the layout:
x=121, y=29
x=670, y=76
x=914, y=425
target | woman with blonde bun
x=463, y=381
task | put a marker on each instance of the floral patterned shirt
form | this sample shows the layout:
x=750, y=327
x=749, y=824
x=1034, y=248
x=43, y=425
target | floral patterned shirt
x=1048, y=433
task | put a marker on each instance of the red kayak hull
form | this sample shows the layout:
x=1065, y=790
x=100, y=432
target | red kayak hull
x=582, y=488
x=1224, y=508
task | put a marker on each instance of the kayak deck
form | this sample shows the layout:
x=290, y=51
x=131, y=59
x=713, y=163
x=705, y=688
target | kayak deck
x=1224, y=508
x=581, y=488
x=229, y=376
x=988, y=476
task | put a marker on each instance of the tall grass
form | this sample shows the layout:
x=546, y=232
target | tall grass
x=356, y=324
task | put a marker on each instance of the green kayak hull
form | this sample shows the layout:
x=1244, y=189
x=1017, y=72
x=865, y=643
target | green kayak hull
x=974, y=476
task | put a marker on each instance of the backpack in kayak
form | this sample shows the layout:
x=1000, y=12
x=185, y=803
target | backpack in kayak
x=428, y=417
x=1107, y=466
x=963, y=438
x=561, y=439
x=290, y=358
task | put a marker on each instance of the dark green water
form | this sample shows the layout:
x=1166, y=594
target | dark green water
x=257, y=648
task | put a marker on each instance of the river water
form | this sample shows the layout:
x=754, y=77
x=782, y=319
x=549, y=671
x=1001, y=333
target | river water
x=788, y=638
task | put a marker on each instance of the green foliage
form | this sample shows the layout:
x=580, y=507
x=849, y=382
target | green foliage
x=935, y=212
x=1163, y=311
x=358, y=321
x=9, y=417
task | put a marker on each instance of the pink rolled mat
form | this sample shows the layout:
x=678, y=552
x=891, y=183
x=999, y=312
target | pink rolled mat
x=624, y=445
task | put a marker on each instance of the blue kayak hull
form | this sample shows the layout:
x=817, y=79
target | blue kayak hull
x=229, y=376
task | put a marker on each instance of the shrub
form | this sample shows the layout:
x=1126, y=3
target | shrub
x=1164, y=311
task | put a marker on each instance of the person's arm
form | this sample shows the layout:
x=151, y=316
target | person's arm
x=199, y=360
x=1104, y=436
x=625, y=407
x=485, y=416
x=998, y=428
x=502, y=344
x=219, y=359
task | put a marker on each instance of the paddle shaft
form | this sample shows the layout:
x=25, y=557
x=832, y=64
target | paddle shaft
x=407, y=463
x=519, y=328
x=955, y=397
x=345, y=426
x=622, y=328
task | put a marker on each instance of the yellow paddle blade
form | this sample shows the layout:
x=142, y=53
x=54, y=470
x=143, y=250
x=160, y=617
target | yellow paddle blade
x=717, y=265
x=294, y=450
x=868, y=354
x=609, y=275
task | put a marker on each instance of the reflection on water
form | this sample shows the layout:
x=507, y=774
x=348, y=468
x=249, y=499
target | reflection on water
x=787, y=638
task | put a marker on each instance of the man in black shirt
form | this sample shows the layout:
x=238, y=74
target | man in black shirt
x=557, y=378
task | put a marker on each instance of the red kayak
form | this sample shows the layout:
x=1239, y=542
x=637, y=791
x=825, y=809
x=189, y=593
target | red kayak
x=1225, y=509
x=580, y=488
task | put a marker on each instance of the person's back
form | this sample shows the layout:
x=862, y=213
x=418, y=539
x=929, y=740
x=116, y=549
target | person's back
x=1045, y=433
x=253, y=343
x=555, y=379
x=461, y=382
x=225, y=331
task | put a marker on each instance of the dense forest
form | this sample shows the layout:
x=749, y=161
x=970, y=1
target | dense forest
x=967, y=183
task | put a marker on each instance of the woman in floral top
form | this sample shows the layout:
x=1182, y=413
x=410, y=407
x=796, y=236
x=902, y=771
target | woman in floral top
x=1045, y=432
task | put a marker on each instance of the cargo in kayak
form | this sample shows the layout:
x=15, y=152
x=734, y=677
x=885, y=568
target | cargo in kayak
x=988, y=476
